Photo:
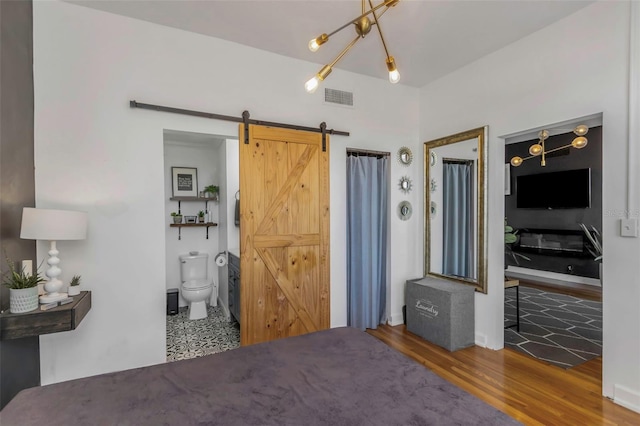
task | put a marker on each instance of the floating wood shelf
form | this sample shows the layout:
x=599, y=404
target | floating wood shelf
x=62, y=318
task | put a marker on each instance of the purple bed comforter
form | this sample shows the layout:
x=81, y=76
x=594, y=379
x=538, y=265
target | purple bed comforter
x=341, y=376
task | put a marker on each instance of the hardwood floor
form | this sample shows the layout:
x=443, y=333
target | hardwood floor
x=529, y=390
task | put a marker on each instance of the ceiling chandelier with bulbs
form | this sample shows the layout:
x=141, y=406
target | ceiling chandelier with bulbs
x=538, y=149
x=363, y=25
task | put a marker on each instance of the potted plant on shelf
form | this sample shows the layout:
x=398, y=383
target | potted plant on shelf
x=74, y=286
x=212, y=191
x=201, y=216
x=177, y=217
x=23, y=289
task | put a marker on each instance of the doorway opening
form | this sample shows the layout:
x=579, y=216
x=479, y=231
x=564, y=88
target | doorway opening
x=198, y=233
x=553, y=243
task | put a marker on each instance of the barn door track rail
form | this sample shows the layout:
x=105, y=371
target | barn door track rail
x=245, y=119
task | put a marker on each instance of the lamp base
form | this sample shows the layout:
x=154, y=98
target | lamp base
x=54, y=297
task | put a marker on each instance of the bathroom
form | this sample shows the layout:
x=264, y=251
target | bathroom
x=215, y=160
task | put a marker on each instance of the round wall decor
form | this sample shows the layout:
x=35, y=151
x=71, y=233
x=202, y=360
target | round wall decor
x=404, y=210
x=405, y=184
x=405, y=156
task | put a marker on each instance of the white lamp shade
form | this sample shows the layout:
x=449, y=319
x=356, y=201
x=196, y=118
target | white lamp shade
x=53, y=225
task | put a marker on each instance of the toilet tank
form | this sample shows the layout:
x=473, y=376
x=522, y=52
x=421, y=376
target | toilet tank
x=193, y=267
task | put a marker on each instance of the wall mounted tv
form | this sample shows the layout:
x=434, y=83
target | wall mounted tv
x=567, y=189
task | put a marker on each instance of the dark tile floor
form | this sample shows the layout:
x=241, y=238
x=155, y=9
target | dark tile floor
x=562, y=330
x=193, y=338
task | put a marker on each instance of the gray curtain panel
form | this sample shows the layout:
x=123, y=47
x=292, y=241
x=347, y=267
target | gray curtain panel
x=367, y=217
x=458, y=217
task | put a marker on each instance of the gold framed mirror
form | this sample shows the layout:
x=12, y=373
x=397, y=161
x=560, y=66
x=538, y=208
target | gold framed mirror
x=455, y=238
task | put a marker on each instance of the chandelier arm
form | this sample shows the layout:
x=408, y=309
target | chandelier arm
x=375, y=18
x=558, y=149
x=344, y=51
x=353, y=21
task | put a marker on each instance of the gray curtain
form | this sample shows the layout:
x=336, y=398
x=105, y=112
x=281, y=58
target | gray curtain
x=458, y=217
x=367, y=217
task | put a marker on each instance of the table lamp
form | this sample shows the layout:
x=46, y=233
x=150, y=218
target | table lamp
x=53, y=225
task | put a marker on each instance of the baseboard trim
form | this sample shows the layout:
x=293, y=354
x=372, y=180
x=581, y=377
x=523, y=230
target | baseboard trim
x=626, y=397
x=395, y=319
x=481, y=340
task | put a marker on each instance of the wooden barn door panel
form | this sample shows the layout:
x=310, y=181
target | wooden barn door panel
x=284, y=232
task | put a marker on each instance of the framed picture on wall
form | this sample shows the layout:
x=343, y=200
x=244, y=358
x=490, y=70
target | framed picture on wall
x=184, y=181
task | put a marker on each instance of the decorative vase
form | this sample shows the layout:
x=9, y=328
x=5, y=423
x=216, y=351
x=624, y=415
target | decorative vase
x=23, y=300
x=177, y=219
x=73, y=290
x=201, y=219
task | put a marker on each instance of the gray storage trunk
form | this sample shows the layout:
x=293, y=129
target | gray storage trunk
x=441, y=312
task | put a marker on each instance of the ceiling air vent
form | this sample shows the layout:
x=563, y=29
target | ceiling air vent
x=338, y=97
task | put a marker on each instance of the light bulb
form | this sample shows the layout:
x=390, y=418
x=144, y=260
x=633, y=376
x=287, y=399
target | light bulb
x=516, y=161
x=579, y=142
x=581, y=130
x=311, y=85
x=535, y=149
x=313, y=45
x=394, y=76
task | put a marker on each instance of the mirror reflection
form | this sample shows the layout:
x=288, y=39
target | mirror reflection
x=455, y=238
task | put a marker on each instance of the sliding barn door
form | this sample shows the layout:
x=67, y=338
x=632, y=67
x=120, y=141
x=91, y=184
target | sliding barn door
x=284, y=234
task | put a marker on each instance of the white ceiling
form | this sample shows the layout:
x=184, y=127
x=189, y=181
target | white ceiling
x=428, y=39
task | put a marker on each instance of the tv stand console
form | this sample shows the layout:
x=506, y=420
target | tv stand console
x=556, y=250
x=553, y=242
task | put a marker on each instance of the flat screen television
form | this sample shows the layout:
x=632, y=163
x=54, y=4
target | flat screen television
x=567, y=189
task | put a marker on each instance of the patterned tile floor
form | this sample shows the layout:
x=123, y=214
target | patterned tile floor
x=562, y=330
x=191, y=339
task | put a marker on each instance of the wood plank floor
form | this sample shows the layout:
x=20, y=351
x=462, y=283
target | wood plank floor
x=529, y=390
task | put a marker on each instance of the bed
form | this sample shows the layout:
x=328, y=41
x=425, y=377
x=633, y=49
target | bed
x=340, y=376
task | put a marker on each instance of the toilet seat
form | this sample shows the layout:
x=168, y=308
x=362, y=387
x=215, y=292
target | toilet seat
x=196, y=284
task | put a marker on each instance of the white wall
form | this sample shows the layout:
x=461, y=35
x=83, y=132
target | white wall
x=229, y=233
x=206, y=159
x=96, y=153
x=556, y=74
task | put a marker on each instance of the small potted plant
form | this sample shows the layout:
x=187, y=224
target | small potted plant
x=212, y=192
x=177, y=217
x=23, y=289
x=201, y=216
x=74, y=286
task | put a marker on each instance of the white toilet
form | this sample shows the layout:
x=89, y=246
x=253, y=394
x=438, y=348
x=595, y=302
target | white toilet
x=196, y=288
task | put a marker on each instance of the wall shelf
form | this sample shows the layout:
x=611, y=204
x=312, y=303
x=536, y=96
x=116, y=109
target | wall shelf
x=62, y=318
x=191, y=225
x=187, y=225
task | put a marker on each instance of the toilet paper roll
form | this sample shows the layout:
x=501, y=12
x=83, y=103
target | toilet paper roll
x=221, y=260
